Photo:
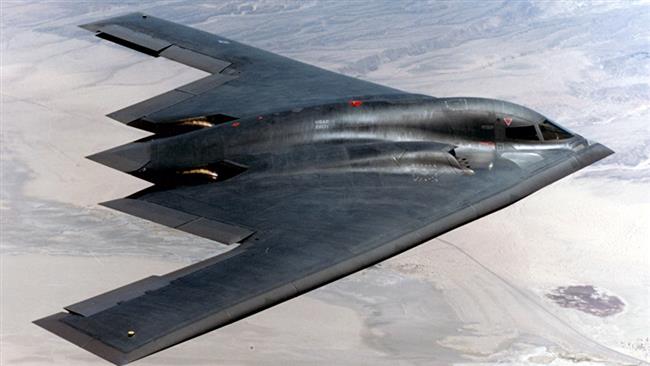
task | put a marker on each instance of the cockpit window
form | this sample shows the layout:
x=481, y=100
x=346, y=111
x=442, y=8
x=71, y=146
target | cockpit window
x=522, y=133
x=552, y=132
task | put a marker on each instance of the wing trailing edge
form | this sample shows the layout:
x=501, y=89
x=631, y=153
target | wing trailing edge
x=161, y=311
x=208, y=228
x=245, y=81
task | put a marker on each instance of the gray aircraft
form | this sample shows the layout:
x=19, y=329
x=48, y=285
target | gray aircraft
x=315, y=174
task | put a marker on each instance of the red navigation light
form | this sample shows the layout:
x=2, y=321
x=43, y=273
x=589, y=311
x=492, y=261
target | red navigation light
x=356, y=103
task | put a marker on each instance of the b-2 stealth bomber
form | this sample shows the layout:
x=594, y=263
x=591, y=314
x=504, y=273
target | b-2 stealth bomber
x=315, y=175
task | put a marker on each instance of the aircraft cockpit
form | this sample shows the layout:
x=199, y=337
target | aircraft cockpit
x=550, y=131
x=501, y=121
x=542, y=131
x=523, y=124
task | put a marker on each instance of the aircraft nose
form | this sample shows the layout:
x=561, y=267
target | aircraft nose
x=126, y=158
x=578, y=143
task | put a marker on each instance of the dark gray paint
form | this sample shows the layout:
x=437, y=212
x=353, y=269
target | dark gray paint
x=316, y=186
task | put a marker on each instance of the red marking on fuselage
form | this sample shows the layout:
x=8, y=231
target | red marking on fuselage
x=507, y=120
x=235, y=124
x=486, y=143
x=356, y=103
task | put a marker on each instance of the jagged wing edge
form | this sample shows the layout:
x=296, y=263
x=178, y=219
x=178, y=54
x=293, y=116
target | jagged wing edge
x=510, y=195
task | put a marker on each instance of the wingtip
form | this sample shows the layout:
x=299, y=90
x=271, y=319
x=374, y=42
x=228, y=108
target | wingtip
x=96, y=25
x=54, y=324
x=88, y=26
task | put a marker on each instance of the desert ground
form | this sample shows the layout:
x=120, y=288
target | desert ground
x=559, y=278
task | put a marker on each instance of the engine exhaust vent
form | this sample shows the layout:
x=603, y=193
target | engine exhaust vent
x=177, y=127
x=217, y=172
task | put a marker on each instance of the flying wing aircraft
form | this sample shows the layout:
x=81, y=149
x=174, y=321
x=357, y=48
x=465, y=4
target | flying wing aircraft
x=314, y=174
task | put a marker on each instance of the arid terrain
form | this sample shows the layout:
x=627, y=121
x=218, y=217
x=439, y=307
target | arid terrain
x=559, y=278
